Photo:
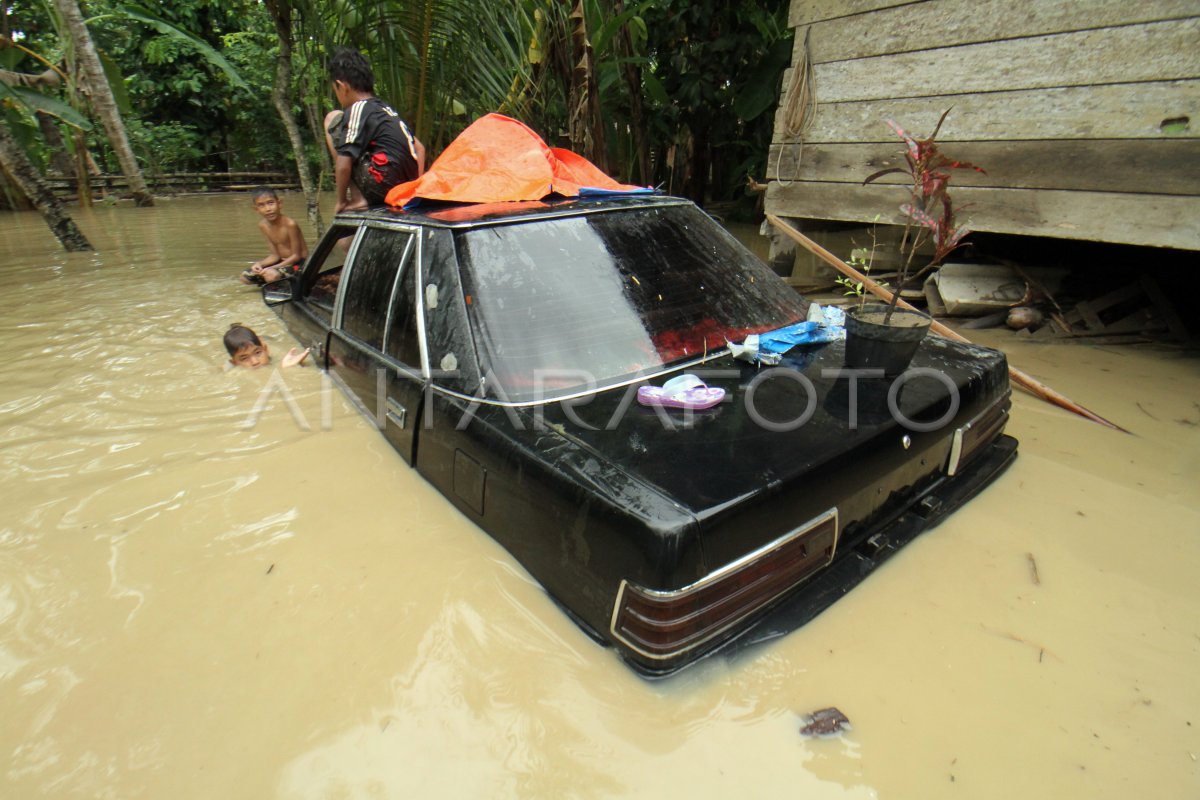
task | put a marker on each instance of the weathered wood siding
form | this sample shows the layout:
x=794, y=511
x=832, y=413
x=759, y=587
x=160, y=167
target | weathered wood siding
x=1085, y=113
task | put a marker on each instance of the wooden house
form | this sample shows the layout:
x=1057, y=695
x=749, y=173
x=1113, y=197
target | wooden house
x=1085, y=113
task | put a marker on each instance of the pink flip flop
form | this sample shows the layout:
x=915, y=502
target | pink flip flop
x=682, y=391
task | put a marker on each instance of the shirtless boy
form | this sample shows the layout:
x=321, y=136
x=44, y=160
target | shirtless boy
x=288, y=249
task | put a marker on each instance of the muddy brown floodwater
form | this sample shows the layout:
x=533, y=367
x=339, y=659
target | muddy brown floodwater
x=190, y=608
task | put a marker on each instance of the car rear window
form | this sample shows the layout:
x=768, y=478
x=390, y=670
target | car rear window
x=561, y=305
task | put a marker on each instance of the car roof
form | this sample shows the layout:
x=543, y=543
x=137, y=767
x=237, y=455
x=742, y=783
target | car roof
x=467, y=215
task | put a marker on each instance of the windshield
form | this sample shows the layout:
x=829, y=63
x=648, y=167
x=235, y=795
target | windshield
x=561, y=305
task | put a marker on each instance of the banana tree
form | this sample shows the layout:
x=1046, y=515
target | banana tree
x=17, y=164
x=95, y=84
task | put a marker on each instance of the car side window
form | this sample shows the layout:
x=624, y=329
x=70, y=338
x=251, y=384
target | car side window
x=402, y=342
x=319, y=283
x=377, y=262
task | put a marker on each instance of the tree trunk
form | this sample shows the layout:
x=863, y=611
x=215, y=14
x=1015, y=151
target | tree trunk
x=83, y=178
x=11, y=196
x=101, y=97
x=586, y=122
x=56, y=146
x=315, y=118
x=26, y=175
x=313, y=115
x=281, y=13
x=633, y=80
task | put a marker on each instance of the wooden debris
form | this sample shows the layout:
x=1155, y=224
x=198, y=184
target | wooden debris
x=1029, y=384
x=1147, y=413
x=1164, y=307
x=825, y=722
x=1137, y=312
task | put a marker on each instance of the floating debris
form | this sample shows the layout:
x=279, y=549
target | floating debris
x=825, y=722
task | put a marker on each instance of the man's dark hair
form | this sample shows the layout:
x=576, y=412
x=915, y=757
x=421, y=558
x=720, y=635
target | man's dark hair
x=349, y=67
x=263, y=191
x=239, y=336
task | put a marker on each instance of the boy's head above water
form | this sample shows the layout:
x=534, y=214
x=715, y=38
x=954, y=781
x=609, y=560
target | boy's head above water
x=245, y=348
x=266, y=202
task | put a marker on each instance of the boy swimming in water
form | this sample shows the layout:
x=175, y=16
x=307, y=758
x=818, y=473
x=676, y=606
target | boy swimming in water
x=288, y=249
x=247, y=350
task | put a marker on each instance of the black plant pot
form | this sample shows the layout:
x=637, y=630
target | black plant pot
x=872, y=345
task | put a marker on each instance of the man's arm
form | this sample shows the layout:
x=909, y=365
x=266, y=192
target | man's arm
x=420, y=148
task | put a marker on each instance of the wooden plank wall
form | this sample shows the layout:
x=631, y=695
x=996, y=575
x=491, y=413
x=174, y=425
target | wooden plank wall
x=1085, y=113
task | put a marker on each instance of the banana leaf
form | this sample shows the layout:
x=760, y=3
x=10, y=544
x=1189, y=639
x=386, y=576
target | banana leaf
x=167, y=29
x=33, y=102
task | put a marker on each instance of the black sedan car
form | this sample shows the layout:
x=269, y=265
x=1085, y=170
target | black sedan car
x=500, y=349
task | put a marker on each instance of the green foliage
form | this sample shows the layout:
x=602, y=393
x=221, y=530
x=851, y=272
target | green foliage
x=166, y=147
x=862, y=259
x=178, y=38
x=166, y=59
x=930, y=214
x=194, y=77
x=32, y=101
x=720, y=63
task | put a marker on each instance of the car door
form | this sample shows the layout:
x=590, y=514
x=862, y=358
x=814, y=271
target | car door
x=309, y=315
x=374, y=302
x=407, y=379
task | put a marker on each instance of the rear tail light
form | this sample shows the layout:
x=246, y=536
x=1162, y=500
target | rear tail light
x=662, y=625
x=970, y=439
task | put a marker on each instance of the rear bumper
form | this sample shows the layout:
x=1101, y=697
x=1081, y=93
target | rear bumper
x=860, y=557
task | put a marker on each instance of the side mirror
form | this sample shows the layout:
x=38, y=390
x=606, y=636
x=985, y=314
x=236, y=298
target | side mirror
x=281, y=291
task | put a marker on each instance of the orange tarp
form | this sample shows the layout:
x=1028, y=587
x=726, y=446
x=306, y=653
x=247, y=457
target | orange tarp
x=498, y=159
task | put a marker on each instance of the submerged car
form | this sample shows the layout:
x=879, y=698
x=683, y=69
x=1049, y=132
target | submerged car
x=499, y=348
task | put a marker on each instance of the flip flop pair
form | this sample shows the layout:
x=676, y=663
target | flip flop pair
x=682, y=391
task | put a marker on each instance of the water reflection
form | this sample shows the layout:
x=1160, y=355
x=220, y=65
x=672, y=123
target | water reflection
x=190, y=608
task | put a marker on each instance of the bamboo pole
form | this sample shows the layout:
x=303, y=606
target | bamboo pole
x=1029, y=384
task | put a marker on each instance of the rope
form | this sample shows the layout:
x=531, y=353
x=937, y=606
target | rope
x=800, y=107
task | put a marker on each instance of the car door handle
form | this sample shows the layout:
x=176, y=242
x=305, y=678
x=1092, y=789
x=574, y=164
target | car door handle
x=396, y=413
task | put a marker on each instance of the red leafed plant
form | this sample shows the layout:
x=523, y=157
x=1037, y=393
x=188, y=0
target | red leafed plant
x=929, y=214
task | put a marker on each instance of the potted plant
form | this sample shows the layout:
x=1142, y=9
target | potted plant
x=879, y=335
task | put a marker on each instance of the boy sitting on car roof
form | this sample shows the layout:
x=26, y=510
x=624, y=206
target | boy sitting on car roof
x=375, y=149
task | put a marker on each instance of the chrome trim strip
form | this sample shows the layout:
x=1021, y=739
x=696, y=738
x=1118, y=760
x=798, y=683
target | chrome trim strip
x=660, y=201
x=347, y=268
x=350, y=340
x=389, y=225
x=422, y=333
x=487, y=401
x=956, y=450
x=956, y=443
x=717, y=575
x=566, y=212
x=408, y=248
x=354, y=400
